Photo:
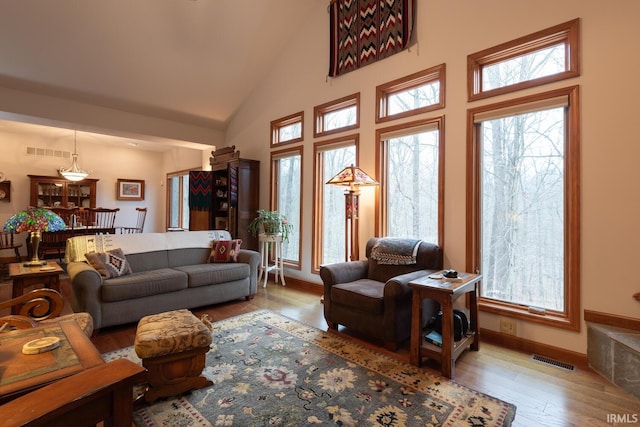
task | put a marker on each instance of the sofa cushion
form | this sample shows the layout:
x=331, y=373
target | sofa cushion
x=148, y=261
x=211, y=274
x=188, y=256
x=363, y=295
x=138, y=285
x=109, y=264
x=225, y=250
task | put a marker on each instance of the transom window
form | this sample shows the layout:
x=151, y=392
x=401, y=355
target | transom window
x=546, y=56
x=412, y=180
x=337, y=116
x=287, y=129
x=414, y=94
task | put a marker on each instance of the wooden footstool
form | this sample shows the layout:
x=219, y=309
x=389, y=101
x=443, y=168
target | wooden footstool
x=172, y=346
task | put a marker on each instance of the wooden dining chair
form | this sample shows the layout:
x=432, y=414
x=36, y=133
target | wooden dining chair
x=7, y=242
x=139, y=227
x=103, y=218
x=67, y=214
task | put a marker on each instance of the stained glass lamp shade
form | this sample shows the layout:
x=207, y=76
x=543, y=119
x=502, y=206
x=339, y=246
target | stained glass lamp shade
x=34, y=221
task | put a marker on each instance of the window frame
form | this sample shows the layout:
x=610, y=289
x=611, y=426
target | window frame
x=567, y=33
x=282, y=122
x=381, y=155
x=170, y=175
x=318, y=193
x=384, y=91
x=570, y=317
x=320, y=111
x=275, y=157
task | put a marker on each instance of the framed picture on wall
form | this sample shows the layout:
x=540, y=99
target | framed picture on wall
x=130, y=189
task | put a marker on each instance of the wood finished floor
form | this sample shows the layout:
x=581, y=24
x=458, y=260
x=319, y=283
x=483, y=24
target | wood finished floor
x=544, y=395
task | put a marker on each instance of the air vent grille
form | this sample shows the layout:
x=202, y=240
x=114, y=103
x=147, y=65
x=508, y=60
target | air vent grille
x=47, y=152
x=553, y=362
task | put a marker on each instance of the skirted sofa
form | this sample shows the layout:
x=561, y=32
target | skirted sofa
x=151, y=273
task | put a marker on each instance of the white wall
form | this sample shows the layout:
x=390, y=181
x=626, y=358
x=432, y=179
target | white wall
x=105, y=162
x=446, y=33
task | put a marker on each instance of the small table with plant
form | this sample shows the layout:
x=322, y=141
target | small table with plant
x=272, y=229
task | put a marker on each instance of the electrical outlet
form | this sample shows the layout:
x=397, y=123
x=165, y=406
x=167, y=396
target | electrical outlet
x=508, y=326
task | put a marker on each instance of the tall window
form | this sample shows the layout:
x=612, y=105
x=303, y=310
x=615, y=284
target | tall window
x=525, y=200
x=178, y=200
x=412, y=164
x=329, y=225
x=286, y=176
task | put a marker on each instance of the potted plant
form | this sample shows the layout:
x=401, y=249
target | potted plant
x=271, y=222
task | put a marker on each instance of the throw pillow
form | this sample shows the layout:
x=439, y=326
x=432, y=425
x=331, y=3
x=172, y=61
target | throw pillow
x=225, y=250
x=109, y=264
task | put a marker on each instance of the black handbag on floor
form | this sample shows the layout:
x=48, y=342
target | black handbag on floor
x=460, y=324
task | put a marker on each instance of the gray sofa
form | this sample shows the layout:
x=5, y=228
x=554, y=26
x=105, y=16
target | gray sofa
x=169, y=271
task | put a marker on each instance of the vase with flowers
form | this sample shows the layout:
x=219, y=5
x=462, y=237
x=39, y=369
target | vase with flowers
x=271, y=222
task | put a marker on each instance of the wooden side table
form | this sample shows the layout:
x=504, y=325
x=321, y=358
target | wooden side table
x=444, y=293
x=271, y=243
x=23, y=373
x=22, y=276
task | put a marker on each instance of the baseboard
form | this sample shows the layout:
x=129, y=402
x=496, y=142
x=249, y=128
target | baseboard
x=303, y=285
x=612, y=320
x=533, y=347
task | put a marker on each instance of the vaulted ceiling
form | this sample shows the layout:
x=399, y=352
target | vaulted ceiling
x=195, y=61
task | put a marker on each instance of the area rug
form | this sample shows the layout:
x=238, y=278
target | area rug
x=269, y=370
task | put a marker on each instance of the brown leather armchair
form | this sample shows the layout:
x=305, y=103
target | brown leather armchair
x=373, y=297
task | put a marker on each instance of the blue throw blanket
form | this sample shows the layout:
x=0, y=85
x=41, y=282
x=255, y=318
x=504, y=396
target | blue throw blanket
x=395, y=251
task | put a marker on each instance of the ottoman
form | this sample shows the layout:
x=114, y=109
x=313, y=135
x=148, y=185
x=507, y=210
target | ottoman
x=172, y=346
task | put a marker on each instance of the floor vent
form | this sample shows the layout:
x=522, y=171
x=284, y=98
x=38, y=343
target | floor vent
x=553, y=362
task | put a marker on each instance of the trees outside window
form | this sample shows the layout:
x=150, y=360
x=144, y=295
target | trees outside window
x=412, y=190
x=523, y=202
x=286, y=170
x=329, y=219
x=525, y=207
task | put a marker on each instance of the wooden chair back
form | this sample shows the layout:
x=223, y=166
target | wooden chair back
x=102, y=217
x=142, y=214
x=66, y=214
x=7, y=241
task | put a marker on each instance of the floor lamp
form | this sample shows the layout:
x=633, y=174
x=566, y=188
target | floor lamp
x=353, y=177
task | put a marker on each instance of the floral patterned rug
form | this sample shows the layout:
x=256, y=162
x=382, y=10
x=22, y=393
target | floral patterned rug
x=269, y=370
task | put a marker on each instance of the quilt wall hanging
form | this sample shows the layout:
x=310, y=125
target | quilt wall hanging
x=365, y=31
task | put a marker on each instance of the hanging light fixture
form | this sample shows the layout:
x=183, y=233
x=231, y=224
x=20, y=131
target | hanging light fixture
x=74, y=172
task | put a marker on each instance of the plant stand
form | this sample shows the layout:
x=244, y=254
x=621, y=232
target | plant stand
x=271, y=243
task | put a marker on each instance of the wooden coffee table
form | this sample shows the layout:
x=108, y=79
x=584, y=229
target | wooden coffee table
x=22, y=276
x=23, y=373
x=444, y=293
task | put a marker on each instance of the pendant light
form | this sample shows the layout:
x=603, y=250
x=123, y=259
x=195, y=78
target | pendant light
x=74, y=172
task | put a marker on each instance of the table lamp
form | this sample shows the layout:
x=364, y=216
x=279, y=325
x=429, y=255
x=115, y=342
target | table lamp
x=34, y=221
